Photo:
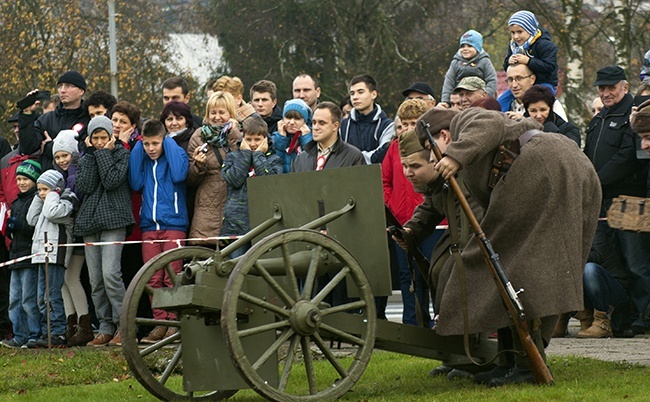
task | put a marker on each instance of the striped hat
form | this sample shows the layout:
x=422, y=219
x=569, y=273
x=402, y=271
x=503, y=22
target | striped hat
x=526, y=20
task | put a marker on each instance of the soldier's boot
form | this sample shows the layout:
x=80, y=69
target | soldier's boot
x=586, y=318
x=561, y=327
x=600, y=328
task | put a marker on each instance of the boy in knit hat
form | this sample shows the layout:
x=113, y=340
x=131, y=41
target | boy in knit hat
x=470, y=61
x=23, y=309
x=532, y=46
x=51, y=215
x=294, y=131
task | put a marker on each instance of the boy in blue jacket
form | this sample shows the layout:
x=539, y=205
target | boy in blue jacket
x=158, y=168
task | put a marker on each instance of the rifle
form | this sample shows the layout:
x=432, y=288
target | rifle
x=540, y=370
x=397, y=230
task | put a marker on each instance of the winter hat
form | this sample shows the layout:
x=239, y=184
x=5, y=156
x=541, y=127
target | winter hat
x=300, y=106
x=472, y=38
x=641, y=120
x=526, y=20
x=52, y=178
x=30, y=169
x=100, y=123
x=438, y=119
x=74, y=78
x=610, y=75
x=66, y=141
x=408, y=143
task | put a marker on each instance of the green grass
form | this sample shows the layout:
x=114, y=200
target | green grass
x=84, y=374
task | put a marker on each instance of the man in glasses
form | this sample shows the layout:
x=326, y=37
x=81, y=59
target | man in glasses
x=520, y=78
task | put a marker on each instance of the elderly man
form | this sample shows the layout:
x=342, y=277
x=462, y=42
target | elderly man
x=470, y=89
x=421, y=90
x=611, y=147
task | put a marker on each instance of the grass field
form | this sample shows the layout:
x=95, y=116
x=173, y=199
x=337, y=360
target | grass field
x=84, y=374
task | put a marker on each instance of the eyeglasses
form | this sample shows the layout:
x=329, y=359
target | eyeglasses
x=517, y=79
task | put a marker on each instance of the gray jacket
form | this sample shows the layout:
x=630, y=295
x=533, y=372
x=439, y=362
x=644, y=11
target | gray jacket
x=479, y=66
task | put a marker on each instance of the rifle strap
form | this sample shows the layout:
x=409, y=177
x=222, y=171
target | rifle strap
x=455, y=248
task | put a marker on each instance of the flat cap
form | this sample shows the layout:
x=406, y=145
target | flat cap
x=610, y=75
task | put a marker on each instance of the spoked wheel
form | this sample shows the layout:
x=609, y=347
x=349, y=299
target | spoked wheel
x=159, y=366
x=302, y=320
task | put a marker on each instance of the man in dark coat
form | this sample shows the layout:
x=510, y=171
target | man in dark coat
x=540, y=217
x=71, y=114
x=327, y=150
x=611, y=147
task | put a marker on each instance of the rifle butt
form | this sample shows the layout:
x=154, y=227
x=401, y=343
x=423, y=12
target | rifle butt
x=538, y=366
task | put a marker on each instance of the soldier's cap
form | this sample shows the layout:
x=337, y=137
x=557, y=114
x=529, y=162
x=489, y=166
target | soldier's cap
x=471, y=84
x=13, y=118
x=609, y=75
x=641, y=121
x=408, y=143
x=438, y=119
x=421, y=87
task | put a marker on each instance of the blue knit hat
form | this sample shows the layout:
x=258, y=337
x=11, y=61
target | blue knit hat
x=472, y=38
x=52, y=178
x=526, y=20
x=300, y=106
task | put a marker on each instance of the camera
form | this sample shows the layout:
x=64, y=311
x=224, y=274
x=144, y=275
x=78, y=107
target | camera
x=204, y=148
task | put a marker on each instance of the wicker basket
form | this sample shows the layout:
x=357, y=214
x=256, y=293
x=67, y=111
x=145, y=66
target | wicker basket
x=629, y=213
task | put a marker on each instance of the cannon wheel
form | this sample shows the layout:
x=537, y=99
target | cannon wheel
x=298, y=330
x=140, y=360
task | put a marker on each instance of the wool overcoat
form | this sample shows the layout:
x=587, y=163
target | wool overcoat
x=540, y=218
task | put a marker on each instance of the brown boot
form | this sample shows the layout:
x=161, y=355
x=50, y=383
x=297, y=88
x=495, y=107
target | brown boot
x=586, y=318
x=600, y=328
x=71, y=321
x=84, y=332
x=157, y=334
x=561, y=327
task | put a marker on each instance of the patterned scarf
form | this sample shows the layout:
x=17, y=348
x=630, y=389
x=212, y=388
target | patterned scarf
x=217, y=135
x=525, y=47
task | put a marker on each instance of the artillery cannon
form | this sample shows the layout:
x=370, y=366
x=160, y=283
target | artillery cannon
x=259, y=320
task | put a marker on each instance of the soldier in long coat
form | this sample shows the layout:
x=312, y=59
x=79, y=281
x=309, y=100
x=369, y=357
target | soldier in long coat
x=540, y=218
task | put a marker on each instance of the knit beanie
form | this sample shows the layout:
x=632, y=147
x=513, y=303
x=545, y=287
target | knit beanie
x=66, y=141
x=74, y=78
x=641, y=120
x=526, y=20
x=408, y=143
x=472, y=38
x=100, y=123
x=52, y=178
x=30, y=169
x=300, y=106
x=438, y=119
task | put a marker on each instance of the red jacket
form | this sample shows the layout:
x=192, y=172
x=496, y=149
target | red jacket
x=398, y=191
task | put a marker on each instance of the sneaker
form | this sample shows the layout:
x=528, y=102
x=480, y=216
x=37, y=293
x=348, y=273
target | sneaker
x=10, y=343
x=100, y=340
x=156, y=335
x=31, y=344
x=117, y=339
x=58, y=341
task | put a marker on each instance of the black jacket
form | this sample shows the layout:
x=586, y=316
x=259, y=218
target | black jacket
x=52, y=122
x=556, y=124
x=19, y=230
x=273, y=119
x=611, y=147
x=342, y=155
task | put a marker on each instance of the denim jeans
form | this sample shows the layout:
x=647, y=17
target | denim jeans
x=23, y=304
x=409, y=315
x=105, y=275
x=601, y=289
x=55, y=274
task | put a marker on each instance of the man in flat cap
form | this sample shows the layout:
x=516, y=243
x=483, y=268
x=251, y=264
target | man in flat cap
x=71, y=114
x=421, y=90
x=540, y=219
x=611, y=147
